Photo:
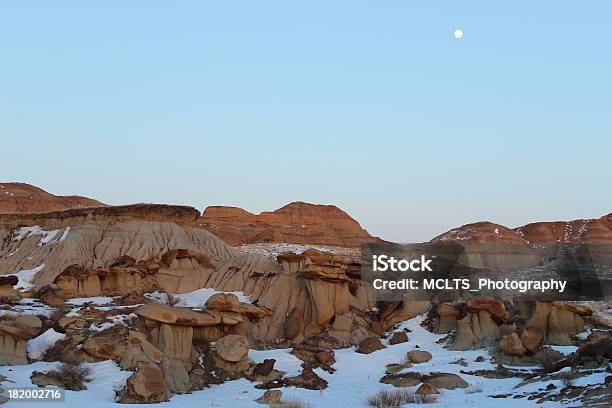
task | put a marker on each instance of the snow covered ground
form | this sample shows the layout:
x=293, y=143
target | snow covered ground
x=355, y=379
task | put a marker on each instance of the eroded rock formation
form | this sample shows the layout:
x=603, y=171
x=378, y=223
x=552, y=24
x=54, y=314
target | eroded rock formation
x=593, y=231
x=298, y=222
x=25, y=198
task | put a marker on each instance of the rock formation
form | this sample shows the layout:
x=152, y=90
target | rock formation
x=298, y=222
x=25, y=198
x=484, y=322
x=592, y=231
x=14, y=331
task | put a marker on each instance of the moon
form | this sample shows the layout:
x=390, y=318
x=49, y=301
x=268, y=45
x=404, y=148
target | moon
x=458, y=33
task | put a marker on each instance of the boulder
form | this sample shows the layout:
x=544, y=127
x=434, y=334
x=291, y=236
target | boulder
x=427, y=389
x=271, y=397
x=68, y=322
x=445, y=380
x=308, y=380
x=109, y=344
x=495, y=307
x=265, y=367
x=232, y=348
x=398, y=337
x=69, y=378
x=225, y=302
x=597, y=347
x=147, y=385
x=325, y=358
x=370, y=345
x=313, y=355
x=394, y=368
x=402, y=380
x=178, y=316
x=22, y=327
x=418, y=356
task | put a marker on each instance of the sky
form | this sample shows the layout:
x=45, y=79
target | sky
x=372, y=106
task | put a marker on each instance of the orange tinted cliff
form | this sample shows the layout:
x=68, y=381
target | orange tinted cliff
x=25, y=198
x=298, y=222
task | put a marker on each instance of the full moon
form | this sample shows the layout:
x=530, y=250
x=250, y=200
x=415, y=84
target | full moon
x=458, y=33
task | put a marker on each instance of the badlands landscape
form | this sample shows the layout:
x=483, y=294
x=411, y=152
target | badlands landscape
x=149, y=303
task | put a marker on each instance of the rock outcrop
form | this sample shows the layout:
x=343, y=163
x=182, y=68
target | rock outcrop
x=298, y=222
x=14, y=332
x=593, y=231
x=484, y=321
x=25, y=198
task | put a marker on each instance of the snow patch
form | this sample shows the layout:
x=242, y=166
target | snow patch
x=26, y=276
x=47, y=237
x=39, y=345
x=96, y=300
x=195, y=299
x=273, y=250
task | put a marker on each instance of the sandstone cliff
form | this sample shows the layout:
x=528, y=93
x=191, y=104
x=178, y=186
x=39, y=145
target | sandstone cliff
x=298, y=222
x=25, y=198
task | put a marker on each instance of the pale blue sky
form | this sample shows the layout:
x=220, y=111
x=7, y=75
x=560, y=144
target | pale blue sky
x=369, y=105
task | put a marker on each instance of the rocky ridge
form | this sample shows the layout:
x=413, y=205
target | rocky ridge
x=592, y=231
x=25, y=198
x=297, y=222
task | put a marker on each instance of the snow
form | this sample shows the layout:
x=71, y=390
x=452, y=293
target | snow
x=96, y=300
x=273, y=250
x=195, y=299
x=65, y=234
x=356, y=378
x=26, y=276
x=47, y=237
x=565, y=349
x=28, y=306
x=117, y=319
x=105, y=377
x=39, y=345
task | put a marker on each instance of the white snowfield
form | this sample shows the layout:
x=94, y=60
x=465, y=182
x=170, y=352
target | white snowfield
x=356, y=378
